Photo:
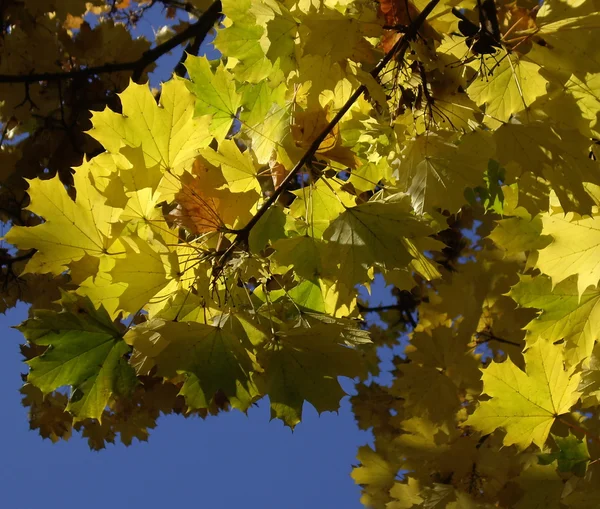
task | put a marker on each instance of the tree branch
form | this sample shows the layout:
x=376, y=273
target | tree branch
x=377, y=309
x=9, y=260
x=198, y=29
x=399, y=49
x=191, y=49
x=489, y=336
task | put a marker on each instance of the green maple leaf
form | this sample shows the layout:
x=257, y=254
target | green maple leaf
x=215, y=93
x=216, y=356
x=525, y=405
x=374, y=233
x=302, y=364
x=85, y=351
x=572, y=455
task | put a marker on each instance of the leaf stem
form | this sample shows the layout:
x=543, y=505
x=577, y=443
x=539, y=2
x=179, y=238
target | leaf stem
x=582, y=430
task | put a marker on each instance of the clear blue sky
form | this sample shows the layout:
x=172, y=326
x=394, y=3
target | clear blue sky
x=228, y=461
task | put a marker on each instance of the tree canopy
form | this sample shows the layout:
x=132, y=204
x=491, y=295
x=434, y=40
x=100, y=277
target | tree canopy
x=196, y=247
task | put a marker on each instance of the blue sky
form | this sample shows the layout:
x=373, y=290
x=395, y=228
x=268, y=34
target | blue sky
x=227, y=461
x=222, y=462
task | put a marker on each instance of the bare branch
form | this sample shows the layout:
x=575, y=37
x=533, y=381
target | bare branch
x=485, y=336
x=192, y=49
x=9, y=260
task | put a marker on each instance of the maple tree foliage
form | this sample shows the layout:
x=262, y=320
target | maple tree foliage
x=195, y=248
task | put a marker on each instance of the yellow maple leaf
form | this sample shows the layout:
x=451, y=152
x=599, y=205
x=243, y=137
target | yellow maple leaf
x=238, y=167
x=72, y=228
x=435, y=169
x=167, y=133
x=574, y=249
x=526, y=404
x=514, y=84
x=565, y=314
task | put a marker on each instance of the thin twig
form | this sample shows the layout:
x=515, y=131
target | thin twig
x=488, y=336
x=202, y=26
x=376, y=309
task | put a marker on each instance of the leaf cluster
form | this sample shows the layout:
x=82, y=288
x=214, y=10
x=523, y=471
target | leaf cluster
x=213, y=253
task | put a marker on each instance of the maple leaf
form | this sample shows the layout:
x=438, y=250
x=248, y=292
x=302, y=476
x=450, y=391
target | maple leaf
x=303, y=364
x=564, y=314
x=571, y=25
x=572, y=455
x=238, y=167
x=47, y=413
x=519, y=233
x=560, y=156
x=145, y=270
x=85, y=351
x=241, y=40
x=360, y=237
x=206, y=204
x=526, y=404
x=317, y=205
x=406, y=494
x=542, y=487
x=265, y=117
x=249, y=38
x=215, y=94
x=72, y=228
x=376, y=473
x=515, y=83
x=308, y=124
x=572, y=250
x=322, y=35
x=218, y=359
x=427, y=392
x=435, y=171
x=167, y=133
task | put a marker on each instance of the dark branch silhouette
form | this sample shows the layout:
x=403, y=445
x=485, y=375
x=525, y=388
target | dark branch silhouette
x=199, y=30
